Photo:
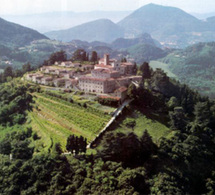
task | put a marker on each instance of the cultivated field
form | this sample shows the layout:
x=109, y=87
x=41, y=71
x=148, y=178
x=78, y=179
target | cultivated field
x=55, y=119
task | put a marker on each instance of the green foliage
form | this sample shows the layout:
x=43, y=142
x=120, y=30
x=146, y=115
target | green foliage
x=130, y=123
x=76, y=144
x=127, y=149
x=94, y=56
x=80, y=55
x=194, y=66
x=108, y=101
x=59, y=56
x=15, y=101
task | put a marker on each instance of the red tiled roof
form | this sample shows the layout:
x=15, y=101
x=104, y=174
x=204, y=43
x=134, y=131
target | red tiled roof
x=121, y=89
x=127, y=64
x=111, y=97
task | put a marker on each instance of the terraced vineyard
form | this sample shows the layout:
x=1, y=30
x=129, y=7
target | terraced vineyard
x=55, y=119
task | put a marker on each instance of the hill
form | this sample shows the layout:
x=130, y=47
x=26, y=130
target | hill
x=145, y=52
x=169, y=25
x=50, y=21
x=100, y=30
x=122, y=43
x=16, y=35
x=195, y=66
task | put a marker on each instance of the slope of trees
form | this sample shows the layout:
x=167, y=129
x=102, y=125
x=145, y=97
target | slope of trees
x=183, y=163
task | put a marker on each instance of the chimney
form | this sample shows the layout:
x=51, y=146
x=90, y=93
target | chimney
x=106, y=59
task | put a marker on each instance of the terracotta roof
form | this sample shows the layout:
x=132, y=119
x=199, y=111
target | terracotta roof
x=47, y=78
x=103, y=66
x=92, y=79
x=121, y=89
x=105, y=70
x=127, y=64
x=111, y=97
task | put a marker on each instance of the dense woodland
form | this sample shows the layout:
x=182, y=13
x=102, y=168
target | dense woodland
x=123, y=163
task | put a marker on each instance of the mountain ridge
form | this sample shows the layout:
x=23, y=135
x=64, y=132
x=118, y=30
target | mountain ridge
x=17, y=35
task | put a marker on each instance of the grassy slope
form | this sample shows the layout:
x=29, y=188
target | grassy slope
x=54, y=120
x=155, y=124
x=157, y=64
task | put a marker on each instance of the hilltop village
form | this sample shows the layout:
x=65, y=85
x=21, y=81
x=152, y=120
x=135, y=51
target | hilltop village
x=109, y=77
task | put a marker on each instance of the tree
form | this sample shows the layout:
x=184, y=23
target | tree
x=70, y=144
x=123, y=60
x=147, y=145
x=26, y=68
x=131, y=123
x=5, y=147
x=203, y=114
x=94, y=56
x=58, y=149
x=76, y=144
x=8, y=72
x=145, y=69
x=21, y=150
x=79, y=55
x=59, y=56
x=178, y=119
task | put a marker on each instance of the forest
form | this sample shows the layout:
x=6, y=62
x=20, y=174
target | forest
x=122, y=163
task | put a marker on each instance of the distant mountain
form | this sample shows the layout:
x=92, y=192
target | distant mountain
x=46, y=22
x=203, y=16
x=169, y=25
x=195, y=66
x=12, y=34
x=122, y=43
x=102, y=30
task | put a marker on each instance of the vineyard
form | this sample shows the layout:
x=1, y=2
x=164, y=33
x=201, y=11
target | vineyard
x=55, y=119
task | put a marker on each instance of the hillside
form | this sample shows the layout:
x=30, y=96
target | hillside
x=100, y=30
x=54, y=118
x=122, y=43
x=169, y=25
x=195, y=66
x=16, y=35
x=145, y=52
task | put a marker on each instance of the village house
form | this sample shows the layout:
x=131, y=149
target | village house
x=96, y=85
x=71, y=83
x=37, y=78
x=29, y=77
x=59, y=82
x=121, y=93
x=105, y=73
x=47, y=81
x=66, y=64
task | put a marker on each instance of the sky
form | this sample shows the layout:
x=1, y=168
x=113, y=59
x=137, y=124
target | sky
x=22, y=7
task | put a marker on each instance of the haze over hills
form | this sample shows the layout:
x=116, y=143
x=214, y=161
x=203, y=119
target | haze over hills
x=203, y=16
x=16, y=35
x=169, y=25
x=100, y=30
x=51, y=21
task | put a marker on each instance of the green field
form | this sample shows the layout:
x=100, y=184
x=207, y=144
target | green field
x=153, y=123
x=55, y=119
x=157, y=64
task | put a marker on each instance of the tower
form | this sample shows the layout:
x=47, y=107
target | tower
x=106, y=59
